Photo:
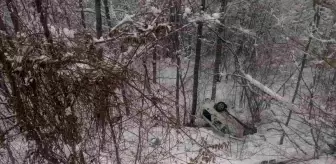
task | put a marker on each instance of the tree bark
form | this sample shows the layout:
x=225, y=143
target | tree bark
x=116, y=145
x=14, y=15
x=146, y=78
x=107, y=13
x=334, y=78
x=99, y=28
x=125, y=100
x=154, y=65
x=184, y=100
x=303, y=63
x=3, y=26
x=114, y=139
x=43, y=19
x=82, y=13
x=196, y=68
x=216, y=76
x=176, y=48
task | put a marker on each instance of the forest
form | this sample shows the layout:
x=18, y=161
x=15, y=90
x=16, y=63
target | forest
x=167, y=81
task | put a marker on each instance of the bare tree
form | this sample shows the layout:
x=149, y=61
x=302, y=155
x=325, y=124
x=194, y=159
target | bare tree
x=316, y=22
x=107, y=13
x=41, y=9
x=216, y=73
x=99, y=28
x=154, y=65
x=82, y=13
x=2, y=26
x=175, y=19
x=196, y=67
x=13, y=14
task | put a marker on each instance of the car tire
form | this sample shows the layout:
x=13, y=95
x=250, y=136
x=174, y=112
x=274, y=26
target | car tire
x=220, y=107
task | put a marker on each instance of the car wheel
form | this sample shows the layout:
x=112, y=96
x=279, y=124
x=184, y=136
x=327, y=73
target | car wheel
x=220, y=107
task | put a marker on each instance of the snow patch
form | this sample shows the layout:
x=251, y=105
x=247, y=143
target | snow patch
x=246, y=31
x=148, y=2
x=127, y=18
x=101, y=39
x=43, y=58
x=69, y=33
x=68, y=54
x=216, y=15
x=53, y=30
x=18, y=69
x=155, y=10
x=68, y=111
x=187, y=11
x=18, y=58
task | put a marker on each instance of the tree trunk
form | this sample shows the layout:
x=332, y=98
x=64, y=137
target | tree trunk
x=303, y=63
x=146, y=79
x=334, y=78
x=154, y=65
x=177, y=91
x=216, y=76
x=114, y=139
x=3, y=26
x=296, y=89
x=82, y=13
x=176, y=50
x=196, y=68
x=99, y=28
x=125, y=100
x=43, y=19
x=14, y=15
x=116, y=146
x=140, y=137
x=184, y=100
x=107, y=13
x=67, y=19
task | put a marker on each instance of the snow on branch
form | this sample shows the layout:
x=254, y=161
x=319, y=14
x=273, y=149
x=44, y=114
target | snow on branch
x=89, y=10
x=322, y=40
x=282, y=100
x=270, y=92
x=245, y=31
x=126, y=19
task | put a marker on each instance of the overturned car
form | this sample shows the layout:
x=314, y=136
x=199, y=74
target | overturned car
x=217, y=115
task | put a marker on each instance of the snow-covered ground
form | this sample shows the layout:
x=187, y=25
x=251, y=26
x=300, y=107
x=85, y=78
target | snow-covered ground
x=162, y=146
x=187, y=145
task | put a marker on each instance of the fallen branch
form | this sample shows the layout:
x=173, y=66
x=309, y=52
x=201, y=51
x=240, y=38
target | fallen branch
x=270, y=92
